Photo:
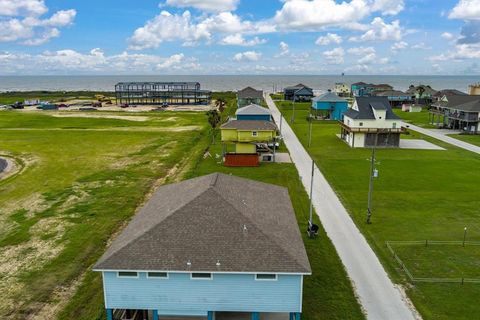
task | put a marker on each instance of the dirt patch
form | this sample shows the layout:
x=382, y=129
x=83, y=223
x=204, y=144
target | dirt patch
x=99, y=116
x=27, y=257
x=113, y=129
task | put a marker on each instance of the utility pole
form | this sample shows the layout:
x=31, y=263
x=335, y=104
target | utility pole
x=464, y=236
x=311, y=194
x=281, y=118
x=310, y=130
x=372, y=174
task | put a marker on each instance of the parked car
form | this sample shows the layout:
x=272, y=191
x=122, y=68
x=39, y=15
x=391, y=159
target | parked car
x=124, y=105
x=97, y=104
x=87, y=109
x=47, y=106
x=165, y=105
x=18, y=105
x=5, y=107
x=63, y=105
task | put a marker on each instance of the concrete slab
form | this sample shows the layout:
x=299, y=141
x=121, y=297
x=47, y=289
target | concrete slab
x=247, y=316
x=418, y=144
x=282, y=157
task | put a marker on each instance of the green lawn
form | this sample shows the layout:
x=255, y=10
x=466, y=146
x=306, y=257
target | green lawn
x=473, y=139
x=420, y=194
x=417, y=118
x=327, y=293
x=440, y=260
x=82, y=180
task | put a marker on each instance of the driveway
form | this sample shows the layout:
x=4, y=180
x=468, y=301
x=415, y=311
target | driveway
x=379, y=297
x=442, y=136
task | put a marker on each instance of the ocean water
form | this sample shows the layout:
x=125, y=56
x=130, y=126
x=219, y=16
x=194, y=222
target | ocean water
x=229, y=82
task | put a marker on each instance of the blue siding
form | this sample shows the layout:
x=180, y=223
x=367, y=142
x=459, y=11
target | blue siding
x=179, y=295
x=337, y=112
x=263, y=117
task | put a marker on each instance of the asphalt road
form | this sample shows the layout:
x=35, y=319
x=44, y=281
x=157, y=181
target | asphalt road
x=379, y=297
x=443, y=137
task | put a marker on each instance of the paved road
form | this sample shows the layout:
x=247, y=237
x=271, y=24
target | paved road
x=443, y=137
x=379, y=297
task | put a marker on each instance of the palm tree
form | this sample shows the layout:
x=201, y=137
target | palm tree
x=214, y=120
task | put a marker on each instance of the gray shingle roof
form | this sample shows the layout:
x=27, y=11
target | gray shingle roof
x=365, y=106
x=250, y=92
x=296, y=87
x=246, y=226
x=249, y=125
x=467, y=103
x=253, y=109
x=329, y=97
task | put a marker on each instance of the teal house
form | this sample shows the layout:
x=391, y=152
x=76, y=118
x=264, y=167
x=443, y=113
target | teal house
x=253, y=112
x=209, y=247
x=329, y=106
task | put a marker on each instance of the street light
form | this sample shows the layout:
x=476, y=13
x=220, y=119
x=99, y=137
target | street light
x=310, y=120
x=312, y=228
x=373, y=174
x=464, y=235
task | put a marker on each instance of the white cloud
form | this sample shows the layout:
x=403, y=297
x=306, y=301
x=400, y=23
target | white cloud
x=447, y=35
x=362, y=51
x=22, y=8
x=389, y=7
x=397, y=46
x=335, y=56
x=466, y=10
x=304, y=14
x=247, y=56
x=328, y=39
x=461, y=52
x=421, y=46
x=207, y=5
x=175, y=27
x=68, y=60
x=237, y=39
x=368, y=59
x=284, y=48
x=22, y=21
x=381, y=31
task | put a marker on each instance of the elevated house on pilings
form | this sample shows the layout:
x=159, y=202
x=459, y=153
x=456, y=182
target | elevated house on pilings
x=152, y=93
x=204, y=247
x=249, y=96
x=458, y=112
x=371, y=122
x=300, y=92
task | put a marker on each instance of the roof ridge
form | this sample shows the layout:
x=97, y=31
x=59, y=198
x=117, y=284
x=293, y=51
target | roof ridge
x=261, y=231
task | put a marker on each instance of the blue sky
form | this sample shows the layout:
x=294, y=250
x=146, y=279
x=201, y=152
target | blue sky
x=240, y=37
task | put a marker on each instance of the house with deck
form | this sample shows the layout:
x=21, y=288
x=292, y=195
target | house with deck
x=207, y=247
x=422, y=94
x=245, y=136
x=459, y=112
x=371, y=122
x=395, y=97
x=329, y=106
x=253, y=112
x=248, y=96
x=300, y=92
x=362, y=89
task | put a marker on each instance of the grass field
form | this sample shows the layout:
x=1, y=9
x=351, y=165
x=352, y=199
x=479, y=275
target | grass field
x=420, y=194
x=82, y=179
x=470, y=138
x=429, y=260
x=418, y=118
x=52, y=96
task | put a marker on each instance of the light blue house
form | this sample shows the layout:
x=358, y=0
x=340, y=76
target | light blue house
x=329, y=106
x=253, y=112
x=207, y=246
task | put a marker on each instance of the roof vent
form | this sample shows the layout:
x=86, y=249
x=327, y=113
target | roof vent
x=189, y=263
x=218, y=263
x=244, y=227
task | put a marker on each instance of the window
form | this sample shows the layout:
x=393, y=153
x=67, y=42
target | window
x=266, y=277
x=254, y=133
x=394, y=125
x=157, y=275
x=361, y=124
x=201, y=276
x=127, y=274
